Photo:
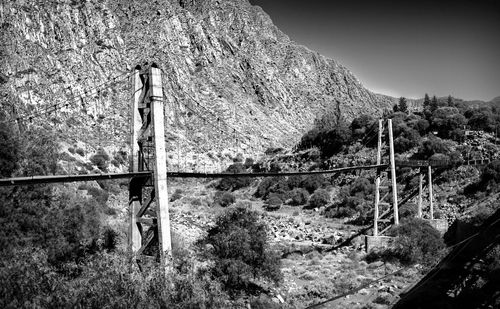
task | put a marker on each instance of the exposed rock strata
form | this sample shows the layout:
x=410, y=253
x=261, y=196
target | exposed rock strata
x=225, y=56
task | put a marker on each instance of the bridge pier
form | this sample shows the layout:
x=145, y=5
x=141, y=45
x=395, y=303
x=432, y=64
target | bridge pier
x=377, y=242
x=385, y=186
x=148, y=154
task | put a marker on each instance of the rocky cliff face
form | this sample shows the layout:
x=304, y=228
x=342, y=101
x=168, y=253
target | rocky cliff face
x=222, y=58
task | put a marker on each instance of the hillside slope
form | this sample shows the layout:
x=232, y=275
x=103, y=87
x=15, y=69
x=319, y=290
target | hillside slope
x=224, y=55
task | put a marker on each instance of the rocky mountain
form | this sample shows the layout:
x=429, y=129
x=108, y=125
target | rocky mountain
x=221, y=58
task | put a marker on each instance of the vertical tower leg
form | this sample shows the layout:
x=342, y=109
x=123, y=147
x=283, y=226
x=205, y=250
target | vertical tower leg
x=420, y=185
x=377, y=180
x=431, y=202
x=393, y=174
x=135, y=189
x=160, y=165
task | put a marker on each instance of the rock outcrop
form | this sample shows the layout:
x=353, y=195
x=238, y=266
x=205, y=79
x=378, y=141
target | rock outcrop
x=222, y=58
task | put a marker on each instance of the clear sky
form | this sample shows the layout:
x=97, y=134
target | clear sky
x=402, y=48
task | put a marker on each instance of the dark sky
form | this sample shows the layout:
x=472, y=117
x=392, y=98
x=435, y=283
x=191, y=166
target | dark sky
x=402, y=48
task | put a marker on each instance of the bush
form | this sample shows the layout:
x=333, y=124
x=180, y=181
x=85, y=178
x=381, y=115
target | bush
x=417, y=242
x=491, y=174
x=71, y=150
x=276, y=185
x=105, y=280
x=431, y=145
x=120, y=157
x=227, y=184
x=241, y=251
x=80, y=151
x=176, y=195
x=294, y=181
x=100, y=159
x=263, y=187
x=224, y=198
x=274, y=200
x=340, y=211
x=408, y=211
x=362, y=188
x=407, y=139
x=320, y=198
x=330, y=135
x=361, y=125
x=299, y=196
x=249, y=162
x=312, y=182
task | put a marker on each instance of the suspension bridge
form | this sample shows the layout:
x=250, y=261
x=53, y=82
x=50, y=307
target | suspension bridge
x=150, y=165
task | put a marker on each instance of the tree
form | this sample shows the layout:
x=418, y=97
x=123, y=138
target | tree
x=434, y=104
x=403, y=105
x=395, y=108
x=427, y=101
x=450, y=101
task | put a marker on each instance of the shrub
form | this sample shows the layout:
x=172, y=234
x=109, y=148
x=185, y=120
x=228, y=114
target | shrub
x=120, y=157
x=71, y=150
x=351, y=206
x=299, y=196
x=408, y=139
x=100, y=159
x=226, y=184
x=80, y=151
x=238, y=158
x=274, y=167
x=360, y=125
x=422, y=126
x=176, y=195
x=330, y=135
x=417, y=242
x=339, y=211
x=362, y=188
x=430, y=146
x=241, y=251
x=321, y=197
x=274, y=200
x=294, y=181
x=408, y=211
x=491, y=173
x=105, y=280
x=263, y=187
x=249, y=162
x=196, y=202
x=276, y=185
x=312, y=182
x=224, y=198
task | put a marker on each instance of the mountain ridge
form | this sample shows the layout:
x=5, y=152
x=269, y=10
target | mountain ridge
x=227, y=56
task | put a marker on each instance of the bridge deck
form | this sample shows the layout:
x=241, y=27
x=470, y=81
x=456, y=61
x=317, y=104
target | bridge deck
x=17, y=181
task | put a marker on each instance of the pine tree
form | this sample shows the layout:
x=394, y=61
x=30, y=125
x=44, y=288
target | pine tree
x=434, y=104
x=427, y=101
x=395, y=108
x=403, y=105
x=450, y=101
